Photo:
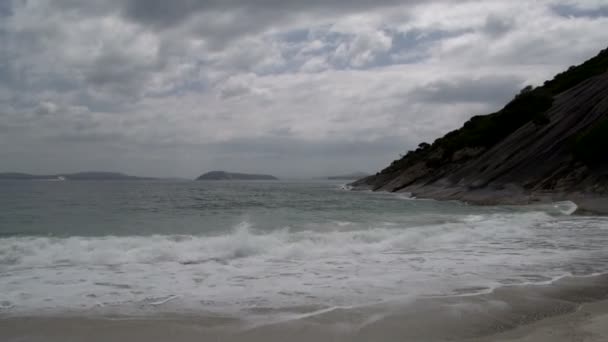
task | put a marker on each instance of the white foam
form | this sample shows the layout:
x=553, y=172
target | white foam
x=566, y=207
x=346, y=187
x=322, y=268
x=556, y=208
x=163, y=301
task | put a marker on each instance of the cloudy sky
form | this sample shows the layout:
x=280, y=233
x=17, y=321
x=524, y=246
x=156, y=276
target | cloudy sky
x=289, y=87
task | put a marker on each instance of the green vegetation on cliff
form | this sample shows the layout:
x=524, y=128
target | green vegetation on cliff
x=577, y=74
x=529, y=106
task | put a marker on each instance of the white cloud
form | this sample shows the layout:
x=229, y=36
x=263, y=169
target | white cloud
x=315, y=64
x=215, y=82
x=46, y=108
x=363, y=48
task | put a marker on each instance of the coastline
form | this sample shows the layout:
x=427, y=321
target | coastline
x=568, y=309
x=587, y=204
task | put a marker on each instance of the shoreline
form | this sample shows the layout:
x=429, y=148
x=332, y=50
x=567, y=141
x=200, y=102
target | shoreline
x=571, y=306
x=587, y=204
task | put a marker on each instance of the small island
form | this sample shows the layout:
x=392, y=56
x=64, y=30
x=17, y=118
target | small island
x=223, y=175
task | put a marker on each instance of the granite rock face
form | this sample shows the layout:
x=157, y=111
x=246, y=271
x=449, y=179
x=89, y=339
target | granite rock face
x=556, y=152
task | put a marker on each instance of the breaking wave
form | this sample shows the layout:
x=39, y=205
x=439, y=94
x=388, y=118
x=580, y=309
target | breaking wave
x=337, y=264
x=243, y=241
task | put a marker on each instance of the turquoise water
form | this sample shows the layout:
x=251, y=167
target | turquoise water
x=254, y=249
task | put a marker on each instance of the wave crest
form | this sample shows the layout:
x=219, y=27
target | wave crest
x=245, y=242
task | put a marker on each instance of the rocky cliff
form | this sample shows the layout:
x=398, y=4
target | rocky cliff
x=548, y=143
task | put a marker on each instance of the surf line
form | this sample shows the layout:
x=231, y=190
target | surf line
x=163, y=301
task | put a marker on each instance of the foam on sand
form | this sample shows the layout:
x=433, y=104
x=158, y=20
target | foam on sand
x=566, y=310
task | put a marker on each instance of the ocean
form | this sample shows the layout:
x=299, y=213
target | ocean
x=265, y=252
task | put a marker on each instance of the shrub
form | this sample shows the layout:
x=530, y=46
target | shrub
x=577, y=74
x=530, y=105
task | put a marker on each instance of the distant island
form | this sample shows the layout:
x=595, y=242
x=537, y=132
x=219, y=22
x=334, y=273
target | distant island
x=350, y=176
x=223, y=175
x=93, y=175
x=547, y=144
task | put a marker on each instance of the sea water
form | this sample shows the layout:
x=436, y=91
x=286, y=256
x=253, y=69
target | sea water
x=262, y=250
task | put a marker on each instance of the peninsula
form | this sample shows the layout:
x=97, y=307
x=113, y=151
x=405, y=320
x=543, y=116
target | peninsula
x=548, y=144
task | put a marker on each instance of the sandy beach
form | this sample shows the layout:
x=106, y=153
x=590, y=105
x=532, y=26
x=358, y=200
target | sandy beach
x=588, y=323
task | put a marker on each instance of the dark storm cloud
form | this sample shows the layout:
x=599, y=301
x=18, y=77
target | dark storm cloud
x=490, y=89
x=6, y=8
x=220, y=22
x=284, y=146
x=497, y=26
x=119, y=73
x=161, y=14
x=567, y=10
x=114, y=68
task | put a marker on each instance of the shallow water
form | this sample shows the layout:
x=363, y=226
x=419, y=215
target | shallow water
x=263, y=250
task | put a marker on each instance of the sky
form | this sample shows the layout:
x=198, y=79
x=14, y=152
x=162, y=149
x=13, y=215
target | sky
x=291, y=88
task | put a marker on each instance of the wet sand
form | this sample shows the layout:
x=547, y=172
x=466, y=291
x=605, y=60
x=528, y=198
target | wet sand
x=572, y=309
x=589, y=323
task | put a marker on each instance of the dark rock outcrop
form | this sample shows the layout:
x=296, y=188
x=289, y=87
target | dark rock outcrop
x=549, y=143
x=223, y=175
